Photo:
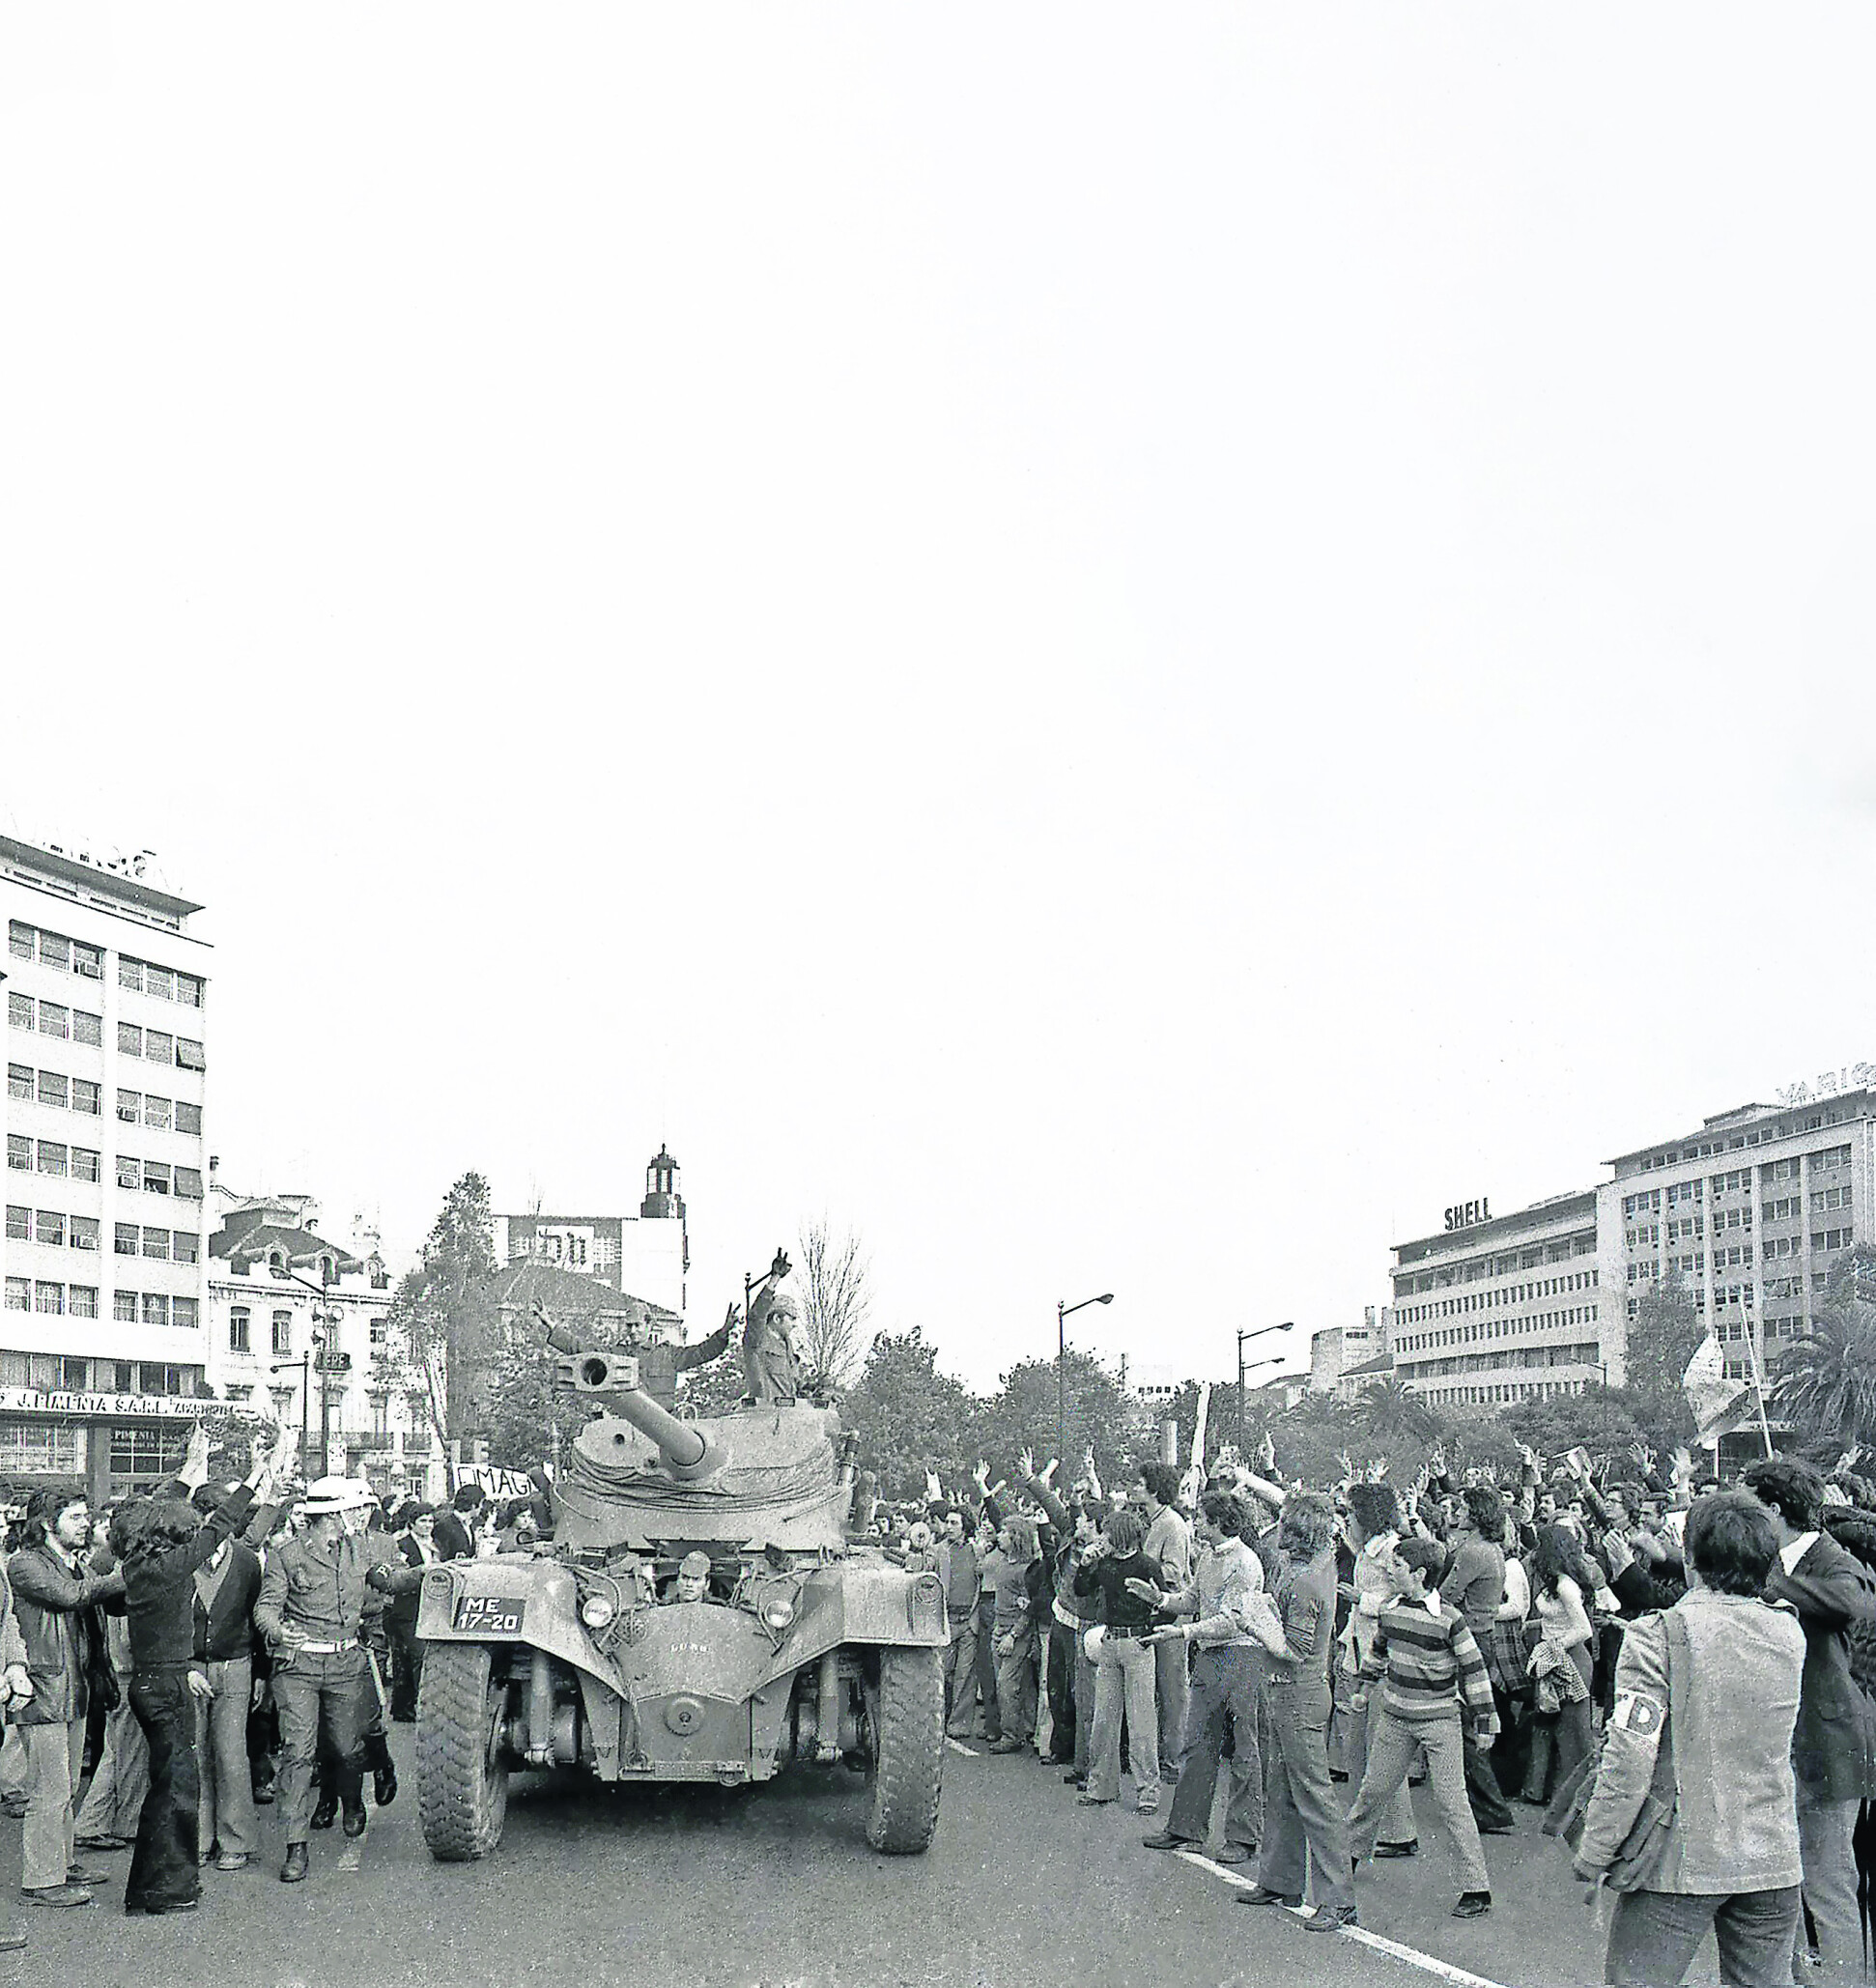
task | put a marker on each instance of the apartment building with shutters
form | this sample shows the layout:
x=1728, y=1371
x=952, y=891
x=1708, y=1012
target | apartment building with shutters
x=103, y=1254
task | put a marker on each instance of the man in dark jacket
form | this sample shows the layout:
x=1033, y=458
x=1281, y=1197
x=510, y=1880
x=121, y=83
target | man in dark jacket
x=1831, y=1751
x=455, y=1535
x=55, y=1600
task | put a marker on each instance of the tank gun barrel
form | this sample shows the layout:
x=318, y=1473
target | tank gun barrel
x=683, y=1449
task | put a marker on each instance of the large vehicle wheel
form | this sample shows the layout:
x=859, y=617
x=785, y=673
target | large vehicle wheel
x=909, y=1721
x=462, y=1781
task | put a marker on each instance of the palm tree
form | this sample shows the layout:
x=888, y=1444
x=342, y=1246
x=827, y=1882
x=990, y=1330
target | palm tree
x=1826, y=1381
x=1390, y=1407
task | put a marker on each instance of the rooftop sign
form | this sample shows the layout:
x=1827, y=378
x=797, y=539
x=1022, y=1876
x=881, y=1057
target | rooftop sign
x=1469, y=1215
x=1852, y=1076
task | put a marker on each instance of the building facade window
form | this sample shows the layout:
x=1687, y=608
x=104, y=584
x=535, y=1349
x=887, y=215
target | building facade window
x=282, y=1334
x=237, y=1331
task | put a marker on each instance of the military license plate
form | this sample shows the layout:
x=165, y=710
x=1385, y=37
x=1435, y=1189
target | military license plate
x=497, y=1614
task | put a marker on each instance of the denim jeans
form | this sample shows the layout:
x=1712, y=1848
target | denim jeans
x=163, y=1866
x=1172, y=1683
x=1300, y=1810
x=114, y=1801
x=1655, y=1935
x=225, y=1809
x=960, y=1676
x=1016, y=1688
x=1224, y=1687
x=1123, y=1674
x=1824, y=1829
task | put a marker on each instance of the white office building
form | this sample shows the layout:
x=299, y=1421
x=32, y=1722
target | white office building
x=102, y=1335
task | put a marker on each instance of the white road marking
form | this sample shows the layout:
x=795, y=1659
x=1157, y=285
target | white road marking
x=1413, y=1955
x=958, y=1746
x=353, y=1856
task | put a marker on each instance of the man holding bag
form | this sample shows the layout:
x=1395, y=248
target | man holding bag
x=1716, y=1845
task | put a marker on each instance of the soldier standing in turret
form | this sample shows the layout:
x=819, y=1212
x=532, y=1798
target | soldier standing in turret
x=768, y=1356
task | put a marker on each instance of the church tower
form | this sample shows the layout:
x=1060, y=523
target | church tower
x=662, y=1203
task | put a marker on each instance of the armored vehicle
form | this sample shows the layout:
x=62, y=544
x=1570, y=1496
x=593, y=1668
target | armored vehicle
x=700, y=1616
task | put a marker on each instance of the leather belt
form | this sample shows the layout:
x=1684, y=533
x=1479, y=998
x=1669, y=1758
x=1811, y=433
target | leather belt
x=326, y=1649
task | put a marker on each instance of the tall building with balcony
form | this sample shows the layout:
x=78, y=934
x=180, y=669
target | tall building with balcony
x=1750, y=1214
x=1506, y=1308
x=101, y=1332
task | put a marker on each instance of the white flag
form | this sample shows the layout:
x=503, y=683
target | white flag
x=1720, y=1403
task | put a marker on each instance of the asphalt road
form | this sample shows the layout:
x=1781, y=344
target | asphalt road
x=776, y=1886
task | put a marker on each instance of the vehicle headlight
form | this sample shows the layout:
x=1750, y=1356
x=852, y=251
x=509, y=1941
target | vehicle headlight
x=596, y=1612
x=779, y=1609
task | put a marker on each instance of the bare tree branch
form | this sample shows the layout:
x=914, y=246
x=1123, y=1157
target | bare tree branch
x=837, y=1296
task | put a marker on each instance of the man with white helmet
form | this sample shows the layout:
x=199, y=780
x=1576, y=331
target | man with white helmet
x=310, y=1610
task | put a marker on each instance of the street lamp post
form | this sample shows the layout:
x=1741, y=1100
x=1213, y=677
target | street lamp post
x=1061, y=1312
x=306, y=1365
x=1287, y=1326
x=307, y=1362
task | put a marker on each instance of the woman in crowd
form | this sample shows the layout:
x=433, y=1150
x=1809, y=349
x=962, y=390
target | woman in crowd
x=1014, y=1632
x=1123, y=1665
x=160, y=1557
x=1560, y=1716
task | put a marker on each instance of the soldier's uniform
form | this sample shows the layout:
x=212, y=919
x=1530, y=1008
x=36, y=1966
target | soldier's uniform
x=311, y=1610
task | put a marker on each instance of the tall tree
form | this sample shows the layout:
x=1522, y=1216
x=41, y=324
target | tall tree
x=1391, y=1408
x=837, y=1296
x=1022, y=1415
x=910, y=1417
x=445, y=1314
x=1826, y=1381
x=1662, y=1336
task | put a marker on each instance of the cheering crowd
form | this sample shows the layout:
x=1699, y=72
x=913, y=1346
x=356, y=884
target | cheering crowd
x=174, y=1666
x=1671, y=1677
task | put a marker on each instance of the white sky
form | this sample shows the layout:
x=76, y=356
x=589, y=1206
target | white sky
x=1126, y=647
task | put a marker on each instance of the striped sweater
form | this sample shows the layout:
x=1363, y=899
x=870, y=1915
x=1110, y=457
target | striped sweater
x=1430, y=1663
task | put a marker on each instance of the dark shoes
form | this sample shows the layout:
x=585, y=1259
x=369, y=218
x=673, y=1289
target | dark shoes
x=1329, y=1918
x=1164, y=1839
x=1506, y=1827
x=1005, y=1746
x=56, y=1894
x=1410, y=1848
x=1261, y=1894
x=1472, y=1905
x=78, y=1874
x=294, y=1871
x=102, y=1845
x=355, y=1820
x=384, y=1785
x=327, y=1814
x=1235, y=1853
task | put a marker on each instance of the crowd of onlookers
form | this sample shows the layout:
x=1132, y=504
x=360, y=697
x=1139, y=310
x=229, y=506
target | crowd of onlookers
x=1672, y=1677
x=157, y=1685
